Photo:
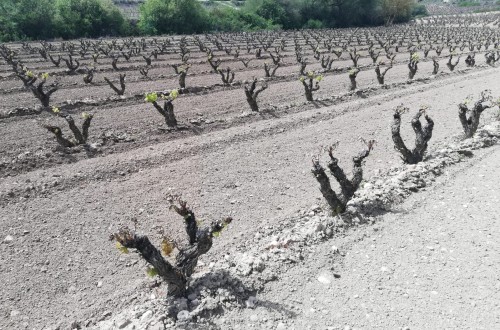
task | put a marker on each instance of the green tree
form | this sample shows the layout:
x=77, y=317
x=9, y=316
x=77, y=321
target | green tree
x=8, y=26
x=397, y=11
x=285, y=13
x=344, y=13
x=227, y=19
x=88, y=18
x=173, y=16
x=35, y=19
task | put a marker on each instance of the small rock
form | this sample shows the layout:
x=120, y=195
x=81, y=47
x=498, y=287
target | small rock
x=105, y=315
x=147, y=315
x=123, y=323
x=158, y=326
x=14, y=313
x=8, y=239
x=183, y=316
x=325, y=278
x=99, y=284
x=281, y=326
x=250, y=303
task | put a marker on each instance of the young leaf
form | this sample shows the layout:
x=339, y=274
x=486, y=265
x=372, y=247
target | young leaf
x=151, y=271
x=174, y=94
x=151, y=97
x=217, y=233
x=121, y=248
x=167, y=247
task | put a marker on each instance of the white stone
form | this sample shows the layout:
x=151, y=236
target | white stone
x=123, y=323
x=250, y=303
x=8, y=239
x=281, y=326
x=183, y=316
x=325, y=278
x=147, y=315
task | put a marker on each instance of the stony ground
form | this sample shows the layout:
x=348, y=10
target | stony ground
x=58, y=268
x=428, y=262
x=432, y=263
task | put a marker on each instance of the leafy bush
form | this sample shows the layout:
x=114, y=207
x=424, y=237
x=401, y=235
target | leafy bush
x=173, y=16
x=314, y=24
x=88, y=18
x=419, y=11
x=228, y=19
x=26, y=19
x=396, y=11
x=35, y=19
x=468, y=4
x=45, y=19
x=273, y=11
x=8, y=26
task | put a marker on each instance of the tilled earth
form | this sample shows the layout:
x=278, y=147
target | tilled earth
x=58, y=266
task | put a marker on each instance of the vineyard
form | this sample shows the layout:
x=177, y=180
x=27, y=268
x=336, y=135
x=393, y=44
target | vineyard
x=97, y=132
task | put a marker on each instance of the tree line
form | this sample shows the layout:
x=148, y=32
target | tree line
x=69, y=19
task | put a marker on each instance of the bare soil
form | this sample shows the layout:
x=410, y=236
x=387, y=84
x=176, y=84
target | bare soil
x=58, y=209
x=430, y=263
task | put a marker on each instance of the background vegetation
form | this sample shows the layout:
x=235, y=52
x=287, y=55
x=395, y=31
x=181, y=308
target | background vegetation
x=47, y=19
